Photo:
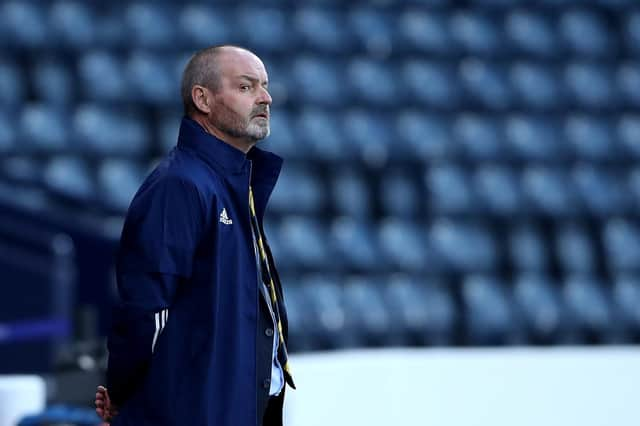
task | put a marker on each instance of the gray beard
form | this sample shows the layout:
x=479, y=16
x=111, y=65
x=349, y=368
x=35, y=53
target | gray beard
x=232, y=124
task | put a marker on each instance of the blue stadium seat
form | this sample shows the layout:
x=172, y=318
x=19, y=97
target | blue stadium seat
x=162, y=89
x=44, y=128
x=319, y=82
x=281, y=139
x=431, y=84
x=575, y=250
x=365, y=304
x=621, y=240
x=372, y=82
x=118, y=181
x=149, y=25
x=23, y=24
x=368, y=134
x=628, y=134
x=534, y=138
x=475, y=33
x=425, y=309
x=489, y=312
x=319, y=135
x=591, y=138
x=530, y=32
x=536, y=86
x=72, y=24
x=601, y=191
x=479, y=138
x=299, y=190
x=351, y=193
x=399, y=194
x=527, y=249
x=305, y=242
x=8, y=133
x=628, y=79
x=589, y=305
x=200, y=25
x=378, y=43
x=632, y=31
x=53, y=82
x=12, y=85
x=70, y=177
x=633, y=183
x=299, y=315
x=355, y=244
x=449, y=190
x=168, y=130
x=464, y=247
x=539, y=303
x=102, y=77
x=266, y=29
x=424, y=31
x=626, y=299
x=23, y=170
x=549, y=191
x=591, y=86
x=486, y=84
x=108, y=131
x=423, y=136
x=321, y=29
x=403, y=243
x=498, y=190
x=585, y=33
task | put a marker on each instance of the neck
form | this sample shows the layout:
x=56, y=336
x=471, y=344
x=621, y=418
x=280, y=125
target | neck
x=240, y=144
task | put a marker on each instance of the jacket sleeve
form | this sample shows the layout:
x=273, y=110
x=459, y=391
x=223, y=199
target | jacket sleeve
x=158, y=243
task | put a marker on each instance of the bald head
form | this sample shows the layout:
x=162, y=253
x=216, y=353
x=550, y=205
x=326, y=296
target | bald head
x=204, y=69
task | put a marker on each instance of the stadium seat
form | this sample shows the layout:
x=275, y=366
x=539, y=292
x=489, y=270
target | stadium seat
x=299, y=316
x=486, y=84
x=23, y=170
x=102, y=77
x=528, y=251
x=319, y=82
x=108, y=131
x=530, y=33
x=351, y=194
x=160, y=90
x=591, y=87
x=322, y=30
x=431, y=84
x=403, y=243
x=628, y=82
x=621, y=240
x=549, y=191
x=7, y=133
x=538, y=301
x=498, y=190
x=591, y=138
x=479, y=138
x=423, y=136
x=365, y=304
x=585, y=34
x=575, y=250
x=632, y=31
x=475, y=33
x=53, y=82
x=536, y=86
x=626, y=299
x=601, y=191
x=368, y=134
x=118, y=181
x=168, y=130
x=378, y=43
x=399, y=195
x=305, y=242
x=449, y=190
x=355, y=245
x=319, y=135
x=298, y=191
x=72, y=24
x=201, y=25
x=533, y=138
x=149, y=25
x=372, y=83
x=628, y=134
x=633, y=181
x=23, y=24
x=423, y=31
x=464, y=247
x=266, y=29
x=12, y=85
x=70, y=177
x=44, y=128
x=488, y=310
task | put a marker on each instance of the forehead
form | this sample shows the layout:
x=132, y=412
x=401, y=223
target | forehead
x=236, y=62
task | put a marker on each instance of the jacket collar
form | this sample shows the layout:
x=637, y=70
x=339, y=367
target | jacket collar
x=224, y=157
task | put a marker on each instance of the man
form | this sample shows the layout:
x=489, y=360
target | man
x=199, y=337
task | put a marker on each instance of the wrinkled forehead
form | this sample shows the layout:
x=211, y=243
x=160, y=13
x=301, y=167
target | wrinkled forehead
x=237, y=62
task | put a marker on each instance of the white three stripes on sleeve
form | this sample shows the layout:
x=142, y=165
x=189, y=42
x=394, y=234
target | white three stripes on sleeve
x=161, y=320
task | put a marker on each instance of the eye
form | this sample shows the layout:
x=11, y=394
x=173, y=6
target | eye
x=244, y=87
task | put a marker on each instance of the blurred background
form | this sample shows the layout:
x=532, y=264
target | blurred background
x=458, y=174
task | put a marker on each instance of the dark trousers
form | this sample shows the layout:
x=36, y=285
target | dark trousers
x=273, y=412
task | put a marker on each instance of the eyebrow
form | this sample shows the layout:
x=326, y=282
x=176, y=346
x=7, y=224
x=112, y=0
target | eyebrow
x=252, y=79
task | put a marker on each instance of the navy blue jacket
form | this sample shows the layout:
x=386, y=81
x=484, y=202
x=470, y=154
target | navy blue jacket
x=186, y=347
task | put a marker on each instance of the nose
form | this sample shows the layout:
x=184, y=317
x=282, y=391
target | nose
x=265, y=97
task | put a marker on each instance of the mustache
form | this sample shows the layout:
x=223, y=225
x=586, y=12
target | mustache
x=263, y=109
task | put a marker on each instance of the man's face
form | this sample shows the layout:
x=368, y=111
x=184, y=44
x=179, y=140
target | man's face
x=241, y=107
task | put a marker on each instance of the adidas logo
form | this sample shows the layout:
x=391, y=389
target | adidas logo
x=224, y=218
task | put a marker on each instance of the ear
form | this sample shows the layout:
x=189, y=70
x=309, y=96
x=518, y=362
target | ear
x=201, y=98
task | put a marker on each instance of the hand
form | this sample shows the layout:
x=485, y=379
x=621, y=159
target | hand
x=104, y=408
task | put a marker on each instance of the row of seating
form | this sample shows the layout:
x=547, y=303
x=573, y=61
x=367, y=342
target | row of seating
x=474, y=82
x=328, y=313
x=578, y=28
